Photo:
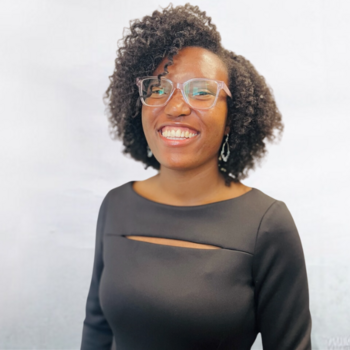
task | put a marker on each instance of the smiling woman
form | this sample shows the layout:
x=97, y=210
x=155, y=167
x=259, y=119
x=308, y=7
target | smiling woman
x=192, y=258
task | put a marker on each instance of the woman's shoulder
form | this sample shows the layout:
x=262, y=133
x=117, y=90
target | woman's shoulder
x=269, y=210
x=118, y=193
x=275, y=214
x=257, y=200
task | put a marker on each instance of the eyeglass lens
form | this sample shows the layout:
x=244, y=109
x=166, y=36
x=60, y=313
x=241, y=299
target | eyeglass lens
x=199, y=93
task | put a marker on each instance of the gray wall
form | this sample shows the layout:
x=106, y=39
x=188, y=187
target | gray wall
x=58, y=161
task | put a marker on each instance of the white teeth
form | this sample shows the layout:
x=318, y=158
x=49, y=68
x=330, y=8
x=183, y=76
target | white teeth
x=177, y=134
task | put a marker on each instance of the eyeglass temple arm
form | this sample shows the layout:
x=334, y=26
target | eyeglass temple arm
x=226, y=89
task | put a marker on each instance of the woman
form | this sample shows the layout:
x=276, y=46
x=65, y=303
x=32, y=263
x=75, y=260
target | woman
x=191, y=258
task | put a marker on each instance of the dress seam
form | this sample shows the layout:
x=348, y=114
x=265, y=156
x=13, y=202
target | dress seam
x=252, y=270
x=261, y=220
x=103, y=224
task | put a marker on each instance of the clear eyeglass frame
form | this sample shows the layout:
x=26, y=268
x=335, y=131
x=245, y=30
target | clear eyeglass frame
x=221, y=86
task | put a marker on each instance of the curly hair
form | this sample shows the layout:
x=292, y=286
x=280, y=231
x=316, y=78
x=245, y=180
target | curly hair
x=253, y=116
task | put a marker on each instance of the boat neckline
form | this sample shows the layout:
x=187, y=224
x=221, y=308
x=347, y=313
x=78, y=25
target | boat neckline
x=130, y=185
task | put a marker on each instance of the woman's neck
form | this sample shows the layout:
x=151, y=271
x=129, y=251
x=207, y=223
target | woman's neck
x=190, y=187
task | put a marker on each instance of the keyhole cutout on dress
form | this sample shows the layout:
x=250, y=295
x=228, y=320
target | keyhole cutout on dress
x=172, y=242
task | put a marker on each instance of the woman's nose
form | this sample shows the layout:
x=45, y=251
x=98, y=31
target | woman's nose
x=177, y=105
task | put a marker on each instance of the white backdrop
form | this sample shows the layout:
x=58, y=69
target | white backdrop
x=58, y=160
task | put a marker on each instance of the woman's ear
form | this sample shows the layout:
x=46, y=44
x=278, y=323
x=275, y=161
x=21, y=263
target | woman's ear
x=227, y=129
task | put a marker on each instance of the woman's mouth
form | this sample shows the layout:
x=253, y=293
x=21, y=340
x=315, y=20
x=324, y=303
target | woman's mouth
x=177, y=136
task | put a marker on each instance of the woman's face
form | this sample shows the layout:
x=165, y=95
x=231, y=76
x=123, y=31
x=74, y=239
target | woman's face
x=190, y=62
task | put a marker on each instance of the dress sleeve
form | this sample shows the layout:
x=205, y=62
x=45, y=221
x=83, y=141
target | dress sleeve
x=280, y=282
x=97, y=333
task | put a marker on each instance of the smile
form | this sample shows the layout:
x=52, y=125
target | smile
x=177, y=140
x=178, y=132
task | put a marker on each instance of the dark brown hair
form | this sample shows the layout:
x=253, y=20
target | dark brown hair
x=253, y=115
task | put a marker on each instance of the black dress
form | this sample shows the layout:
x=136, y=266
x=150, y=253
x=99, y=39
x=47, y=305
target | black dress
x=147, y=296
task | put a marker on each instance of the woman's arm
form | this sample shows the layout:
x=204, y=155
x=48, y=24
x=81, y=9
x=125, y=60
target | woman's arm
x=281, y=287
x=96, y=331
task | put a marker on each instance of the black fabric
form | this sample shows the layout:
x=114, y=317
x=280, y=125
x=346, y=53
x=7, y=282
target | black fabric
x=147, y=296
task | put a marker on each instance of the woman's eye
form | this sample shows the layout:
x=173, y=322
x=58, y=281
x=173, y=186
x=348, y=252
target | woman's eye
x=200, y=93
x=158, y=91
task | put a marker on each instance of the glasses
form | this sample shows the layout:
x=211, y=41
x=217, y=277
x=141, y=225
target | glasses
x=199, y=93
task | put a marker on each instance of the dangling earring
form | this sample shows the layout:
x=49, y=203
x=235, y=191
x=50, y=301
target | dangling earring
x=149, y=152
x=225, y=157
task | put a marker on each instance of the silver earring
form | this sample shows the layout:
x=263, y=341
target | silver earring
x=225, y=157
x=149, y=152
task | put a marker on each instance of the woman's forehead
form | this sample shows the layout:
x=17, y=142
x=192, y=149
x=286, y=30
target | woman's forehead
x=194, y=62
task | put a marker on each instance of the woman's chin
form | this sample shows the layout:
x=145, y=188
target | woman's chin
x=179, y=163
